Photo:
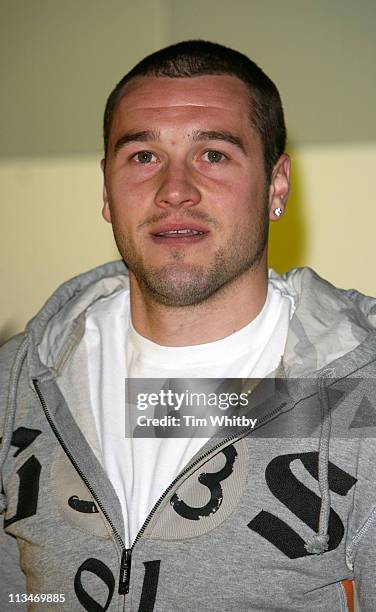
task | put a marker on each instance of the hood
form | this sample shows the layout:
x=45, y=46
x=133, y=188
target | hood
x=57, y=329
x=327, y=324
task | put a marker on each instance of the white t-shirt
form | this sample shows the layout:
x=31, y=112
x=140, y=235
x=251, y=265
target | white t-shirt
x=140, y=469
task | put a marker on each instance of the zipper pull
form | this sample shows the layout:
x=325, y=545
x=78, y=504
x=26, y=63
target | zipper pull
x=125, y=571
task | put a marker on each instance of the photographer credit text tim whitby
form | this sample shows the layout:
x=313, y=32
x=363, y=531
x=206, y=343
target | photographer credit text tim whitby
x=189, y=420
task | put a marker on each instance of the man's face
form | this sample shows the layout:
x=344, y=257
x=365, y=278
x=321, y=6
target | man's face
x=185, y=186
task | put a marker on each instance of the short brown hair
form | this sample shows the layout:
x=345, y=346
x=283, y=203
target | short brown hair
x=199, y=57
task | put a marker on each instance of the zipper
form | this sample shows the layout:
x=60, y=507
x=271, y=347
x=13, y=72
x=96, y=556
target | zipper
x=126, y=557
x=125, y=571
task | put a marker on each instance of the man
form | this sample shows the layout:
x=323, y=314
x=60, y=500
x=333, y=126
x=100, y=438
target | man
x=277, y=514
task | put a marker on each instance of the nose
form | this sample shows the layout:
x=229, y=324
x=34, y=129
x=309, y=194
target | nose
x=177, y=188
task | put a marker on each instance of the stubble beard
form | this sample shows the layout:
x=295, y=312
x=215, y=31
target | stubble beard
x=179, y=284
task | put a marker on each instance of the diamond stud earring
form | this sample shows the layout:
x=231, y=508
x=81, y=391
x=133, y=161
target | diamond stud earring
x=278, y=211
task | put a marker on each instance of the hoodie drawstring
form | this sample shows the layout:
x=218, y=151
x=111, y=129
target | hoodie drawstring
x=319, y=543
x=10, y=413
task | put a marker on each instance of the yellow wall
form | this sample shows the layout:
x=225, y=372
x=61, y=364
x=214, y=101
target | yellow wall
x=51, y=229
x=329, y=224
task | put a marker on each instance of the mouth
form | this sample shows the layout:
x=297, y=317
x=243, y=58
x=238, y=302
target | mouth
x=175, y=234
x=180, y=232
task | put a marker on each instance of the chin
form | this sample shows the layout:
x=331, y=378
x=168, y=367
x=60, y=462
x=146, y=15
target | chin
x=177, y=285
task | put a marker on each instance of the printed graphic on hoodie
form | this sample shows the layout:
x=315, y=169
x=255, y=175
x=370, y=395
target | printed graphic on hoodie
x=300, y=500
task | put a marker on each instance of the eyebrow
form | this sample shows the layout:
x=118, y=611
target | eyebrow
x=202, y=135
x=142, y=136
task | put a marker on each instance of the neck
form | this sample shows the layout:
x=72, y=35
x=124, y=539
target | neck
x=224, y=313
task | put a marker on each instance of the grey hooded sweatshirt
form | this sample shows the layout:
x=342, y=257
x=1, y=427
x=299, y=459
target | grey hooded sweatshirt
x=278, y=518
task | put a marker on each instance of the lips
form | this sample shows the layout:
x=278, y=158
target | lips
x=181, y=232
x=178, y=230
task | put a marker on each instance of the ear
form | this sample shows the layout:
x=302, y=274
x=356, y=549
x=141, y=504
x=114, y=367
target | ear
x=279, y=188
x=106, y=213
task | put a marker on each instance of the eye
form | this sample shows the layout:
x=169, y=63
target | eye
x=144, y=157
x=214, y=157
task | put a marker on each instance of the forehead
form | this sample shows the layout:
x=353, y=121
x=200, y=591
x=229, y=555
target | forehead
x=164, y=101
